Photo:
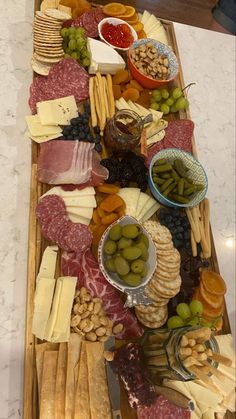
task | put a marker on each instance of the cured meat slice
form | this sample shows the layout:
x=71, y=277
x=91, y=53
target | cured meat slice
x=162, y=409
x=89, y=21
x=56, y=226
x=90, y=24
x=178, y=135
x=87, y=270
x=65, y=78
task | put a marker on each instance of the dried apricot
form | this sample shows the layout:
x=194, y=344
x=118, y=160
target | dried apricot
x=96, y=218
x=213, y=282
x=108, y=188
x=122, y=76
x=114, y=9
x=121, y=212
x=93, y=227
x=133, y=19
x=111, y=203
x=98, y=234
x=131, y=94
x=110, y=218
x=138, y=26
x=101, y=213
x=136, y=85
x=142, y=34
x=116, y=91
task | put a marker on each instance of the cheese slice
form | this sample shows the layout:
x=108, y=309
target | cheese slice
x=146, y=207
x=81, y=201
x=64, y=9
x=226, y=347
x=143, y=198
x=131, y=197
x=81, y=211
x=43, y=138
x=104, y=58
x=57, y=111
x=148, y=214
x=42, y=305
x=37, y=129
x=48, y=264
x=53, y=315
x=78, y=219
x=204, y=396
x=145, y=17
x=155, y=138
x=57, y=190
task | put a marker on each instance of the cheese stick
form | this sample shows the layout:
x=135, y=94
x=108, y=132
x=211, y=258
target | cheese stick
x=110, y=95
x=92, y=102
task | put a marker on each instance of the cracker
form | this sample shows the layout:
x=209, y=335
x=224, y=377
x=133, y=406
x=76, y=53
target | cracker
x=164, y=246
x=46, y=54
x=43, y=16
x=98, y=389
x=57, y=14
x=44, y=59
x=40, y=68
x=157, y=316
x=173, y=256
x=168, y=267
x=169, y=276
x=155, y=296
x=152, y=325
x=151, y=308
x=61, y=382
x=158, y=232
x=74, y=346
x=82, y=408
x=47, y=394
x=164, y=291
x=170, y=285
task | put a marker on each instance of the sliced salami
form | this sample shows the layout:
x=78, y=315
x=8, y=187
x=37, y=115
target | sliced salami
x=90, y=24
x=89, y=21
x=79, y=237
x=178, y=135
x=162, y=409
x=50, y=208
x=65, y=78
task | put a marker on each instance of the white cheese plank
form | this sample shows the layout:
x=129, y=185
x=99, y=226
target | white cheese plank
x=37, y=129
x=81, y=201
x=57, y=111
x=143, y=198
x=145, y=17
x=77, y=219
x=53, y=315
x=147, y=207
x=150, y=212
x=42, y=305
x=131, y=197
x=81, y=211
x=48, y=262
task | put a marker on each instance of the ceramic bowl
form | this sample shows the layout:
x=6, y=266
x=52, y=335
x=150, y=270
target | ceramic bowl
x=113, y=278
x=196, y=173
x=115, y=21
x=147, y=81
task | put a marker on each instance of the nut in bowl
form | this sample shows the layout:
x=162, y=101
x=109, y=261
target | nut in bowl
x=126, y=254
x=117, y=33
x=152, y=63
x=177, y=179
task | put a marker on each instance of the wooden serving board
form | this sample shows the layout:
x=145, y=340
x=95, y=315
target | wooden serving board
x=36, y=246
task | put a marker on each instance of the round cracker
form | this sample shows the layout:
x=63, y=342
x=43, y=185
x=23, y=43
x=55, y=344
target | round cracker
x=156, y=316
x=42, y=15
x=164, y=291
x=47, y=38
x=151, y=308
x=168, y=267
x=164, y=246
x=158, y=232
x=44, y=59
x=57, y=14
x=152, y=325
x=165, y=275
x=46, y=53
x=158, y=296
x=46, y=28
x=40, y=68
x=169, y=285
x=49, y=48
x=171, y=257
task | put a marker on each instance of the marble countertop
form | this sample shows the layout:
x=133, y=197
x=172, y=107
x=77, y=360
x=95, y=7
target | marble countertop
x=207, y=59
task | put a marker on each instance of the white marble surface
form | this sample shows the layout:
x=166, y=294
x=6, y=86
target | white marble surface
x=208, y=59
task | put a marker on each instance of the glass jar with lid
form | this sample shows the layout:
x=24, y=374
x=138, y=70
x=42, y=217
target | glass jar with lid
x=123, y=131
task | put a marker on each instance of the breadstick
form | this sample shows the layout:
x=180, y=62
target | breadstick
x=206, y=221
x=203, y=241
x=97, y=102
x=104, y=83
x=111, y=96
x=102, y=101
x=193, y=244
x=197, y=237
x=196, y=216
x=92, y=102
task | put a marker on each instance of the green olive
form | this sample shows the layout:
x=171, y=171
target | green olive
x=137, y=266
x=142, y=238
x=115, y=232
x=130, y=231
x=110, y=247
x=123, y=243
x=121, y=265
x=144, y=271
x=144, y=252
x=110, y=265
x=132, y=253
x=132, y=279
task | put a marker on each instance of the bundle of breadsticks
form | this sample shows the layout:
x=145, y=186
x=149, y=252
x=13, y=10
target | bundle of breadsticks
x=102, y=101
x=199, y=219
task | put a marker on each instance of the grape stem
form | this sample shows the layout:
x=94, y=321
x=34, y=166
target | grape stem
x=187, y=87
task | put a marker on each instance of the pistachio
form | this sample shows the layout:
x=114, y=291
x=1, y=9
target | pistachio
x=91, y=336
x=101, y=331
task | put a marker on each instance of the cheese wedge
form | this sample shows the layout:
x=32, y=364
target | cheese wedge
x=151, y=201
x=57, y=111
x=37, y=129
x=48, y=264
x=131, y=197
x=143, y=198
x=148, y=214
x=104, y=59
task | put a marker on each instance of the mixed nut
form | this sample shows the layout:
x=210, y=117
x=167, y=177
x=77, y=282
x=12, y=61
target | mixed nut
x=89, y=320
x=150, y=62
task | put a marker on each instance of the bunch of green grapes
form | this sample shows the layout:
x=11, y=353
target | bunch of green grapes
x=189, y=315
x=75, y=45
x=169, y=101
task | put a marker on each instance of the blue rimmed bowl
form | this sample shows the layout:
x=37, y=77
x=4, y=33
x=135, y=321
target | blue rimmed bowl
x=196, y=173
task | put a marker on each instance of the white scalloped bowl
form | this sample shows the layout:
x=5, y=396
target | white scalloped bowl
x=113, y=278
x=115, y=21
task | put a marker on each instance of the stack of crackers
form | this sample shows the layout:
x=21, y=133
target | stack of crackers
x=47, y=39
x=166, y=281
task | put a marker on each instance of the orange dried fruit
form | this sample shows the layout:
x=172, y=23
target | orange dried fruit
x=116, y=91
x=121, y=212
x=108, y=188
x=93, y=227
x=122, y=76
x=101, y=213
x=214, y=301
x=129, y=12
x=213, y=282
x=136, y=85
x=98, y=234
x=142, y=34
x=110, y=218
x=138, y=26
x=208, y=311
x=133, y=19
x=114, y=9
x=111, y=203
x=131, y=94
x=96, y=218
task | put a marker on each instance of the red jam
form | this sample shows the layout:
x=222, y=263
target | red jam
x=117, y=35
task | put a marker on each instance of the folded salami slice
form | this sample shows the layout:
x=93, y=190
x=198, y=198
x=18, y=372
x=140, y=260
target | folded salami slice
x=178, y=135
x=65, y=78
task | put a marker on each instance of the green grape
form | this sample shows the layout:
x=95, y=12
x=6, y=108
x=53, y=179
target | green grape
x=173, y=109
x=195, y=321
x=79, y=42
x=155, y=106
x=85, y=62
x=68, y=51
x=205, y=323
x=67, y=56
x=176, y=93
x=71, y=31
x=165, y=109
x=80, y=31
x=74, y=55
x=186, y=104
x=170, y=101
x=84, y=53
x=64, y=45
x=180, y=103
x=174, y=322
x=72, y=44
x=183, y=311
x=156, y=95
x=196, y=307
x=164, y=93
x=64, y=32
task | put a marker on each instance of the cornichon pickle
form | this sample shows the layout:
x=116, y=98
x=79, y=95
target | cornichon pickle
x=163, y=168
x=160, y=181
x=189, y=191
x=130, y=231
x=166, y=175
x=181, y=186
x=174, y=174
x=121, y=265
x=188, y=182
x=132, y=279
x=180, y=199
x=132, y=253
x=180, y=168
x=115, y=232
x=161, y=161
x=166, y=184
x=169, y=189
x=110, y=247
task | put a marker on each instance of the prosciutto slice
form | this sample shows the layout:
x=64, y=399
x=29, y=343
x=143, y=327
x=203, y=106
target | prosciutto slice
x=86, y=268
x=69, y=162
